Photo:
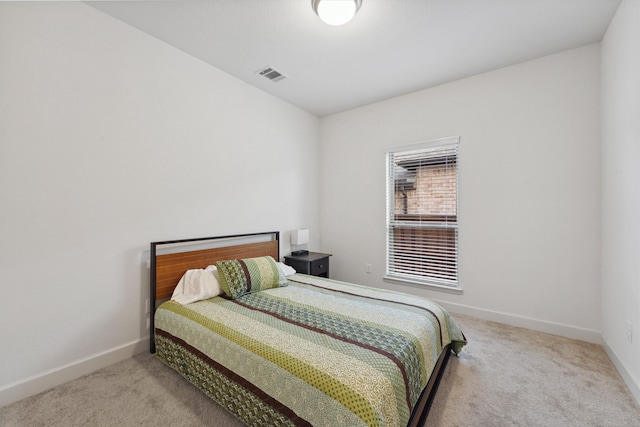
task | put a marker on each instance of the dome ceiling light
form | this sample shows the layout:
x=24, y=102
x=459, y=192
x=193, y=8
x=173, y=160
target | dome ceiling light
x=336, y=12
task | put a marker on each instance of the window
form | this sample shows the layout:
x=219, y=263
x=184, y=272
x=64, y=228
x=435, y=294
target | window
x=422, y=213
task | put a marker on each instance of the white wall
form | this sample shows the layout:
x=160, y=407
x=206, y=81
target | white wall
x=621, y=191
x=529, y=189
x=110, y=139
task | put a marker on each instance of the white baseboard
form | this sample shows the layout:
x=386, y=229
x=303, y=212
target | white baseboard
x=560, y=329
x=44, y=381
x=633, y=386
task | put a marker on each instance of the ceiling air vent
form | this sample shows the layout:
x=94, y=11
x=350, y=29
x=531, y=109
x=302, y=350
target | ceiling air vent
x=271, y=74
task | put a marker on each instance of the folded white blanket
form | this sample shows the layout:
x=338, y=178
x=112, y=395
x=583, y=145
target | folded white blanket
x=286, y=270
x=196, y=285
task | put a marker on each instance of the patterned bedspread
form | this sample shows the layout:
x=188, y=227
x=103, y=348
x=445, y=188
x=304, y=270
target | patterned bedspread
x=316, y=352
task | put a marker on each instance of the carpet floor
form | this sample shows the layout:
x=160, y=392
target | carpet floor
x=505, y=376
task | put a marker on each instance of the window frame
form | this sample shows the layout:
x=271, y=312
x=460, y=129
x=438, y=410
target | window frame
x=391, y=223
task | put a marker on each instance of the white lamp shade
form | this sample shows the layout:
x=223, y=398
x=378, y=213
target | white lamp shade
x=300, y=237
x=336, y=12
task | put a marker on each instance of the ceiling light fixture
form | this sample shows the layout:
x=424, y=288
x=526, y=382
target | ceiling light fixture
x=336, y=12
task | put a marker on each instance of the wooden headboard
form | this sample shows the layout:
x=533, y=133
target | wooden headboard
x=170, y=260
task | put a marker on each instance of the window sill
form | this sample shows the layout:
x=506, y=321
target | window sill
x=428, y=285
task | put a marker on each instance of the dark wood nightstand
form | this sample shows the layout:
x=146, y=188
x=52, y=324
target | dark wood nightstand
x=313, y=263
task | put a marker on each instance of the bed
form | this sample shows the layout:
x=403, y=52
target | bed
x=282, y=348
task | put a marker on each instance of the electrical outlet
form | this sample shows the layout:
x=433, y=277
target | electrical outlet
x=367, y=268
x=629, y=332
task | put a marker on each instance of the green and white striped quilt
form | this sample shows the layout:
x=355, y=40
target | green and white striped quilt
x=316, y=352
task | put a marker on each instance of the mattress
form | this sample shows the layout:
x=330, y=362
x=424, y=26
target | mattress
x=315, y=352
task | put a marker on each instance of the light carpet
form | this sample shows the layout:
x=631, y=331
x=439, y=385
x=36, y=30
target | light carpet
x=505, y=376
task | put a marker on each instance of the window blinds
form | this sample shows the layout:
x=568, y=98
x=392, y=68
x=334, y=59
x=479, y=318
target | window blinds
x=422, y=227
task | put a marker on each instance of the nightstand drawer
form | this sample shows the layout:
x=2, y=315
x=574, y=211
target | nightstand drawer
x=320, y=267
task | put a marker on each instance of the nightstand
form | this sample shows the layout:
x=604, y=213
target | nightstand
x=313, y=263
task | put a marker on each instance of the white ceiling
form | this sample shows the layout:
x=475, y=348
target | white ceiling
x=391, y=47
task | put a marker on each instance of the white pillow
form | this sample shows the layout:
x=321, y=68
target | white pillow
x=196, y=285
x=287, y=270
